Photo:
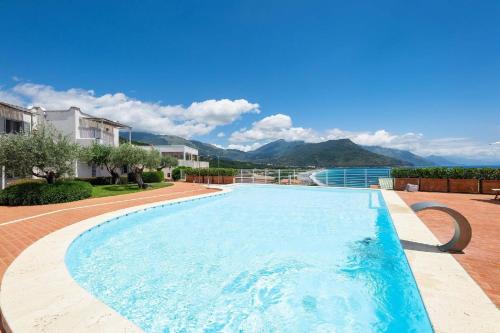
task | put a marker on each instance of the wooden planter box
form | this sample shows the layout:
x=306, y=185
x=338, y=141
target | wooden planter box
x=222, y=180
x=488, y=185
x=463, y=185
x=433, y=185
x=194, y=179
x=400, y=183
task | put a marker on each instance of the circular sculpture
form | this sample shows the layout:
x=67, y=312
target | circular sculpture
x=463, y=230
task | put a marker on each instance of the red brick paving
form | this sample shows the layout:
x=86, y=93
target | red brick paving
x=482, y=257
x=17, y=236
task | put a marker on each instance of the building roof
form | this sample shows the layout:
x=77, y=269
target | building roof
x=16, y=107
x=109, y=122
x=98, y=119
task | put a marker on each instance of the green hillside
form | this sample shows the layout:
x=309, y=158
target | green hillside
x=333, y=153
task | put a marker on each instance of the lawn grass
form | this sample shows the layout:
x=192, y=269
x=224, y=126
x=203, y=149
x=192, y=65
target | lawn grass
x=99, y=191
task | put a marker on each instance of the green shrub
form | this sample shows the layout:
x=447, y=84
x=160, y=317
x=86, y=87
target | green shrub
x=404, y=173
x=96, y=180
x=212, y=172
x=443, y=173
x=434, y=172
x=36, y=193
x=462, y=173
x=176, y=173
x=153, y=176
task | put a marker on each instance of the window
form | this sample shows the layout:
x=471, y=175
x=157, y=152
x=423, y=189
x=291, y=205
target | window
x=13, y=126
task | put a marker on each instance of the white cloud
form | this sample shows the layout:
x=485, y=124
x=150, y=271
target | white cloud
x=248, y=147
x=221, y=134
x=199, y=118
x=278, y=126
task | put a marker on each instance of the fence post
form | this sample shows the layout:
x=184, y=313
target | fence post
x=241, y=175
x=265, y=176
x=366, y=177
x=3, y=177
x=345, y=177
x=253, y=176
x=289, y=179
x=326, y=177
x=279, y=176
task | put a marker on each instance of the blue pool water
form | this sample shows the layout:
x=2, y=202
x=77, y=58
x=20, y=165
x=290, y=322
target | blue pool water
x=352, y=177
x=259, y=259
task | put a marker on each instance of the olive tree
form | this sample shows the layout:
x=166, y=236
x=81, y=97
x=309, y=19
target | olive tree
x=44, y=153
x=137, y=159
x=102, y=156
x=167, y=162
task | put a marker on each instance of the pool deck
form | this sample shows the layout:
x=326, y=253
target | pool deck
x=482, y=258
x=454, y=301
x=22, y=226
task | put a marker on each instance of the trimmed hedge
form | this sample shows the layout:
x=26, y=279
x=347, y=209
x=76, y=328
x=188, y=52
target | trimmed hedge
x=103, y=180
x=96, y=180
x=36, y=193
x=444, y=173
x=153, y=176
x=176, y=173
x=212, y=172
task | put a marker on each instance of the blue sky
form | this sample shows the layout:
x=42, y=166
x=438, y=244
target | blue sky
x=421, y=75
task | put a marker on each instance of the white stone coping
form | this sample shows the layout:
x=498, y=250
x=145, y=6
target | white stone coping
x=454, y=301
x=39, y=295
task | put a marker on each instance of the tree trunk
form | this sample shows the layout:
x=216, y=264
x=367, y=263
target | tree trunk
x=51, y=178
x=138, y=177
x=115, y=177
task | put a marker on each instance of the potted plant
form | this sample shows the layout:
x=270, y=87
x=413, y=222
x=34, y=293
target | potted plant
x=433, y=179
x=463, y=180
x=403, y=177
x=490, y=179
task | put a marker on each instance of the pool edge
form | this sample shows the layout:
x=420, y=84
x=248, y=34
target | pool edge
x=453, y=300
x=38, y=294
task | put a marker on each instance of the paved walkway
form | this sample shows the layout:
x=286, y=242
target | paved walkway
x=482, y=257
x=22, y=226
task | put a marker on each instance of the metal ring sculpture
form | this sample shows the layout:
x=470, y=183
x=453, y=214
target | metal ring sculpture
x=463, y=230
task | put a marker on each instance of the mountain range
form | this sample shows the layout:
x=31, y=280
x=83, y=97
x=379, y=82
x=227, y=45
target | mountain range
x=331, y=153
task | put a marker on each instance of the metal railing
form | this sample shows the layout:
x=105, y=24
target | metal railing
x=336, y=177
x=274, y=176
x=351, y=177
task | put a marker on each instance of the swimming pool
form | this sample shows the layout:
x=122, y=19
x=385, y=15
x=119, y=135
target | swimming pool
x=265, y=258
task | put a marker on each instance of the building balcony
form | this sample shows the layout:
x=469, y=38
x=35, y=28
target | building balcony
x=193, y=164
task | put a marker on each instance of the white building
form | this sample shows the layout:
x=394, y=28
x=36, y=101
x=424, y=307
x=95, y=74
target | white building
x=15, y=119
x=186, y=156
x=85, y=129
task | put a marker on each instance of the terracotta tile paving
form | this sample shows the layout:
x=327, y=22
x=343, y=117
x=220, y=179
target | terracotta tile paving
x=15, y=237
x=482, y=257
